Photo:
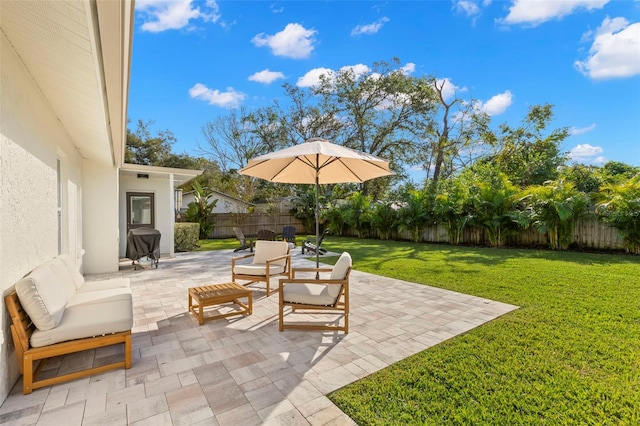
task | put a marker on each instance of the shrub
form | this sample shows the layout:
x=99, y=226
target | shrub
x=185, y=236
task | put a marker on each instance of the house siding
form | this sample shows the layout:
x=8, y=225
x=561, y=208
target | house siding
x=31, y=142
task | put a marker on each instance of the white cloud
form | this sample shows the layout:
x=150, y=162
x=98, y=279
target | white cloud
x=536, y=12
x=161, y=15
x=447, y=87
x=497, y=104
x=575, y=131
x=228, y=99
x=295, y=41
x=266, y=76
x=615, y=52
x=370, y=28
x=357, y=70
x=409, y=68
x=469, y=8
x=586, y=153
x=312, y=77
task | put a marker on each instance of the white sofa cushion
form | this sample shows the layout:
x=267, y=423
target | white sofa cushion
x=265, y=250
x=72, y=268
x=99, y=296
x=339, y=272
x=43, y=296
x=64, y=275
x=110, y=284
x=309, y=294
x=84, y=321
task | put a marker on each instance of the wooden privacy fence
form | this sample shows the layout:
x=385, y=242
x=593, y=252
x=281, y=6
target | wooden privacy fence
x=588, y=233
x=251, y=223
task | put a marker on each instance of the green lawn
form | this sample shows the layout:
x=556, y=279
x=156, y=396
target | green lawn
x=570, y=355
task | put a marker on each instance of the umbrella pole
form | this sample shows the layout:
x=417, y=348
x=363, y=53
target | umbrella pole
x=317, y=222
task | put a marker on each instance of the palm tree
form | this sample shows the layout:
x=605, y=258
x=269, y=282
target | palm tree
x=200, y=209
x=415, y=214
x=383, y=219
x=493, y=207
x=358, y=213
x=619, y=206
x=451, y=207
x=554, y=209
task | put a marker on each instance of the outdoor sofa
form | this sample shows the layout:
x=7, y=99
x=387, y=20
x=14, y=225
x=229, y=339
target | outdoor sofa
x=54, y=312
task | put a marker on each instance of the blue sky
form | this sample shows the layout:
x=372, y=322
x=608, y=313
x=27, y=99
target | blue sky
x=195, y=60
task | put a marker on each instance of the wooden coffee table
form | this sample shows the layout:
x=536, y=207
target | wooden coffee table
x=218, y=294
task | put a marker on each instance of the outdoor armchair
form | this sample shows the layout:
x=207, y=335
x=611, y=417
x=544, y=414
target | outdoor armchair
x=314, y=295
x=270, y=259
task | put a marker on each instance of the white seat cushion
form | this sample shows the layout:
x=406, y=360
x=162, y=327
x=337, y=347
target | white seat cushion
x=258, y=270
x=99, y=296
x=105, y=285
x=308, y=294
x=84, y=321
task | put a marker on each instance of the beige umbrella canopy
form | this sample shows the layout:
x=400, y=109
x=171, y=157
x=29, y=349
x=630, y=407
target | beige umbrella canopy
x=317, y=161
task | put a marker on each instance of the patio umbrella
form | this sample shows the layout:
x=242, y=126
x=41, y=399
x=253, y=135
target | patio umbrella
x=317, y=161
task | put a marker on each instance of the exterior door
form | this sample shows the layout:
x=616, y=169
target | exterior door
x=140, y=210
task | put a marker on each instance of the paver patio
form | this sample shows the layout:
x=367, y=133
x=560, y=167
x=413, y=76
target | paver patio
x=242, y=370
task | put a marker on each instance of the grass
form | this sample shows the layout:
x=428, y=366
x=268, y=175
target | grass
x=228, y=243
x=569, y=355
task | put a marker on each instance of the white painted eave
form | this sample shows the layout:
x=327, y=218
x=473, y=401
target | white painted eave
x=78, y=53
x=180, y=176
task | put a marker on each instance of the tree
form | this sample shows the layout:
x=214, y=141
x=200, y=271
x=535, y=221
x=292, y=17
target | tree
x=200, y=209
x=232, y=140
x=554, y=208
x=357, y=213
x=492, y=199
x=586, y=178
x=619, y=206
x=384, y=218
x=375, y=108
x=143, y=148
x=453, y=136
x=451, y=207
x=525, y=154
x=415, y=213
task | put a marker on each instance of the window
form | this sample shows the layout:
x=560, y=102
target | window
x=140, y=210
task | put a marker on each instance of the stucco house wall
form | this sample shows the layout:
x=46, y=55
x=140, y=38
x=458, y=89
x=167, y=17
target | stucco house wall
x=163, y=190
x=32, y=141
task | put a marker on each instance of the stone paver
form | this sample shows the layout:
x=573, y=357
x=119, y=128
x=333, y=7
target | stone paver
x=242, y=370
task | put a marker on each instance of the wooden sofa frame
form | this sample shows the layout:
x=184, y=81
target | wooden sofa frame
x=21, y=330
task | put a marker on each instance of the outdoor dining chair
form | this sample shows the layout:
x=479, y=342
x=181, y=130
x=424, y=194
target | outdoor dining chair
x=289, y=234
x=316, y=295
x=266, y=235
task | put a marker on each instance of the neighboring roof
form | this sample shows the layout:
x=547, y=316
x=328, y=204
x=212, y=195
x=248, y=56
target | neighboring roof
x=82, y=72
x=226, y=195
x=180, y=176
